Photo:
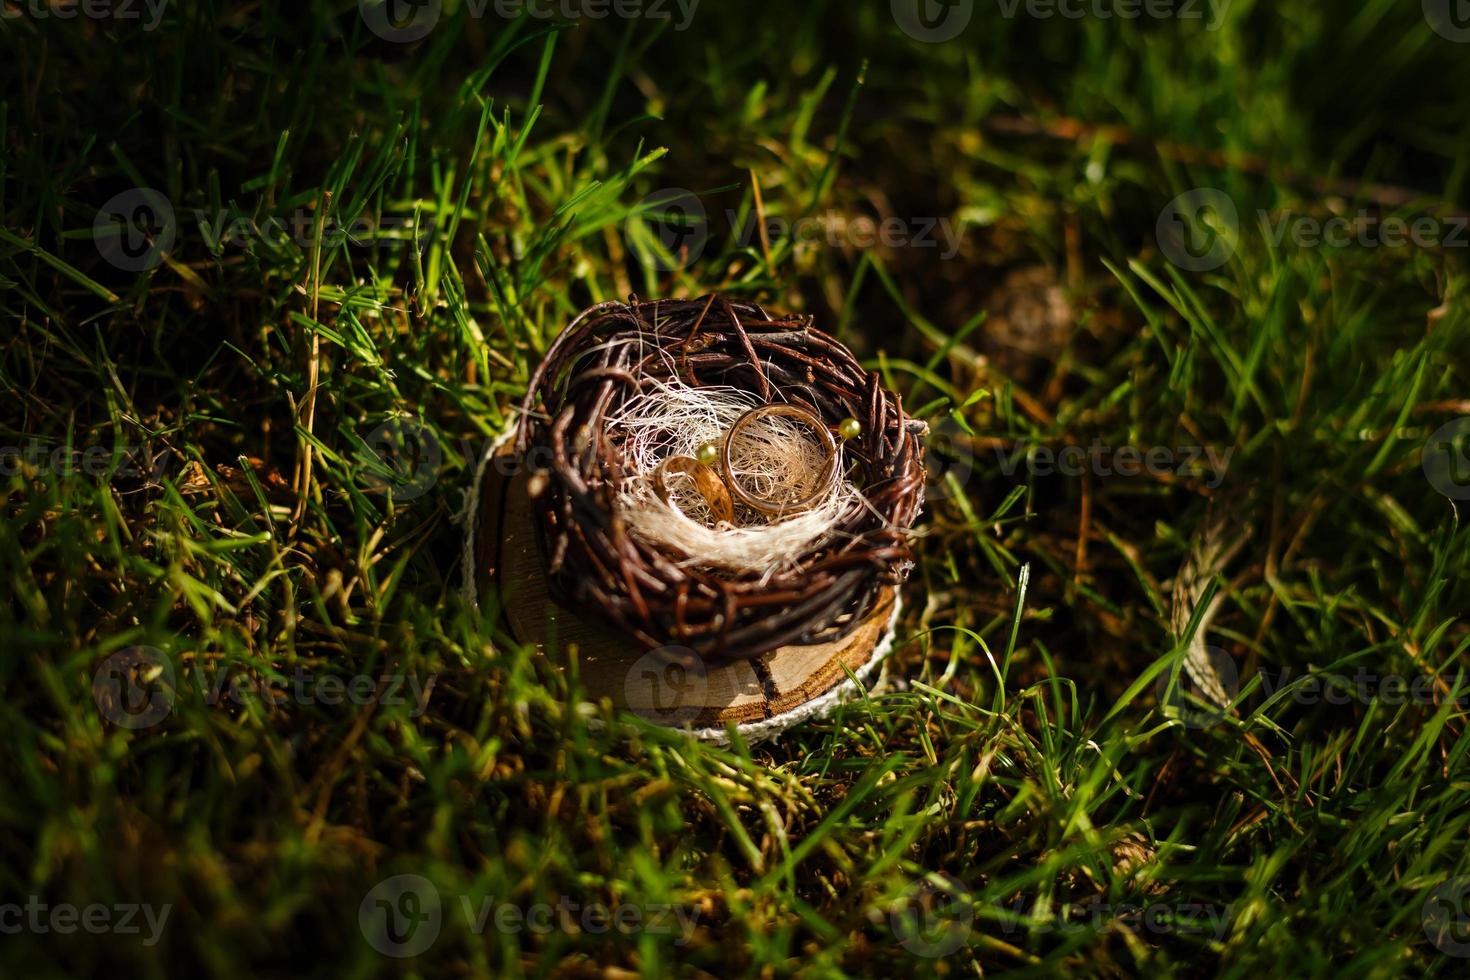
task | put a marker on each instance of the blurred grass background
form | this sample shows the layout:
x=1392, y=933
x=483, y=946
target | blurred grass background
x=496, y=176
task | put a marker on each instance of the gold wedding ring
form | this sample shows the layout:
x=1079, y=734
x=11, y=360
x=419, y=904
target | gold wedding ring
x=714, y=492
x=717, y=492
x=829, y=468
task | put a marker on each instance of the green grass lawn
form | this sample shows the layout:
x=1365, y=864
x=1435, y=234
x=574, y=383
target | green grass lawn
x=241, y=409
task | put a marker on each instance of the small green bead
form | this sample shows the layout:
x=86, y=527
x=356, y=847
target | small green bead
x=707, y=454
x=849, y=429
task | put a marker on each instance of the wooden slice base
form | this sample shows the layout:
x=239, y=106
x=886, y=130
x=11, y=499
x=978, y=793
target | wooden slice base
x=671, y=686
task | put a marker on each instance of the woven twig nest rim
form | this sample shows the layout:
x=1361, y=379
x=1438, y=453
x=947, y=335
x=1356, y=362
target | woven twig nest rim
x=615, y=352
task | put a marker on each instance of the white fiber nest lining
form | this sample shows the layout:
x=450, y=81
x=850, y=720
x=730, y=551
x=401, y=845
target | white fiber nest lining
x=774, y=458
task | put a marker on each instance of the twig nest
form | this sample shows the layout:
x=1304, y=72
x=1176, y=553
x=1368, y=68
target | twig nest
x=633, y=391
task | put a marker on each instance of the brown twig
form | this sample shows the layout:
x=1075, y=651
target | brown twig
x=615, y=352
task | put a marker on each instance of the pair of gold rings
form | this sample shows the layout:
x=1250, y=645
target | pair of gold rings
x=722, y=490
